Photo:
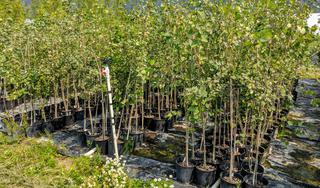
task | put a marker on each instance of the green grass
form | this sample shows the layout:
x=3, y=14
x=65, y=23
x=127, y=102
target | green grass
x=310, y=72
x=28, y=163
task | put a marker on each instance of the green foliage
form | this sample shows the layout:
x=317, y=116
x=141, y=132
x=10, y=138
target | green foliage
x=315, y=102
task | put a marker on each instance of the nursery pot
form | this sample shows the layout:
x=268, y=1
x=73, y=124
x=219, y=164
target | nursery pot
x=157, y=125
x=245, y=169
x=261, y=154
x=262, y=182
x=82, y=137
x=35, y=130
x=79, y=115
x=47, y=126
x=58, y=123
x=216, y=164
x=184, y=172
x=148, y=120
x=137, y=138
x=111, y=151
x=168, y=125
x=234, y=183
x=102, y=144
x=69, y=118
x=205, y=175
x=91, y=139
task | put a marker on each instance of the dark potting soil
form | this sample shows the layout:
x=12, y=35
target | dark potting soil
x=233, y=180
x=184, y=164
x=206, y=167
x=101, y=138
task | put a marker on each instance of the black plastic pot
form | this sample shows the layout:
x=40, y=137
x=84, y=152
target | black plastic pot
x=79, y=115
x=137, y=139
x=35, y=130
x=168, y=125
x=262, y=182
x=82, y=137
x=148, y=121
x=216, y=163
x=157, y=125
x=91, y=139
x=48, y=127
x=102, y=144
x=111, y=147
x=245, y=169
x=184, y=173
x=69, y=119
x=226, y=184
x=262, y=153
x=58, y=123
x=205, y=177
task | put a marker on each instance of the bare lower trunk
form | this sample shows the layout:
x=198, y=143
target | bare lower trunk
x=90, y=116
x=129, y=124
x=65, y=103
x=187, y=148
x=231, y=133
x=55, y=101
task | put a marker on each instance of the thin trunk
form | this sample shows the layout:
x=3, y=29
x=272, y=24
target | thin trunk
x=204, y=139
x=159, y=114
x=129, y=124
x=142, y=109
x=257, y=156
x=214, y=138
x=187, y=148
x=231, y=132
x=85, y=116
x=90, y=115
x=76, y=98
x=55, y=100
x=65, y=103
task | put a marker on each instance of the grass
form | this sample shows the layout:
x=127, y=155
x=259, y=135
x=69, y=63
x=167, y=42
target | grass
x=28, y=163
x=310, y=72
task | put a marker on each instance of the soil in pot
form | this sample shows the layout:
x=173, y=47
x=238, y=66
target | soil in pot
x=205, y=175
x=262, y=182
x=234, y=182
x=157, y=125
x=184, y=172
x=247, y=169
x=137, y=137
x=102, y=144
x=111, y=147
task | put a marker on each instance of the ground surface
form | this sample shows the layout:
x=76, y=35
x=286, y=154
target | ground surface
x=295, y=159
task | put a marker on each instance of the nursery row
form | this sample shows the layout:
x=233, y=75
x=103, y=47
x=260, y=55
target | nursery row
x=231, y=63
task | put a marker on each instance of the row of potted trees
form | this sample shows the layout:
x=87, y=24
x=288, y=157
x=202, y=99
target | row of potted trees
x=226, y=67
